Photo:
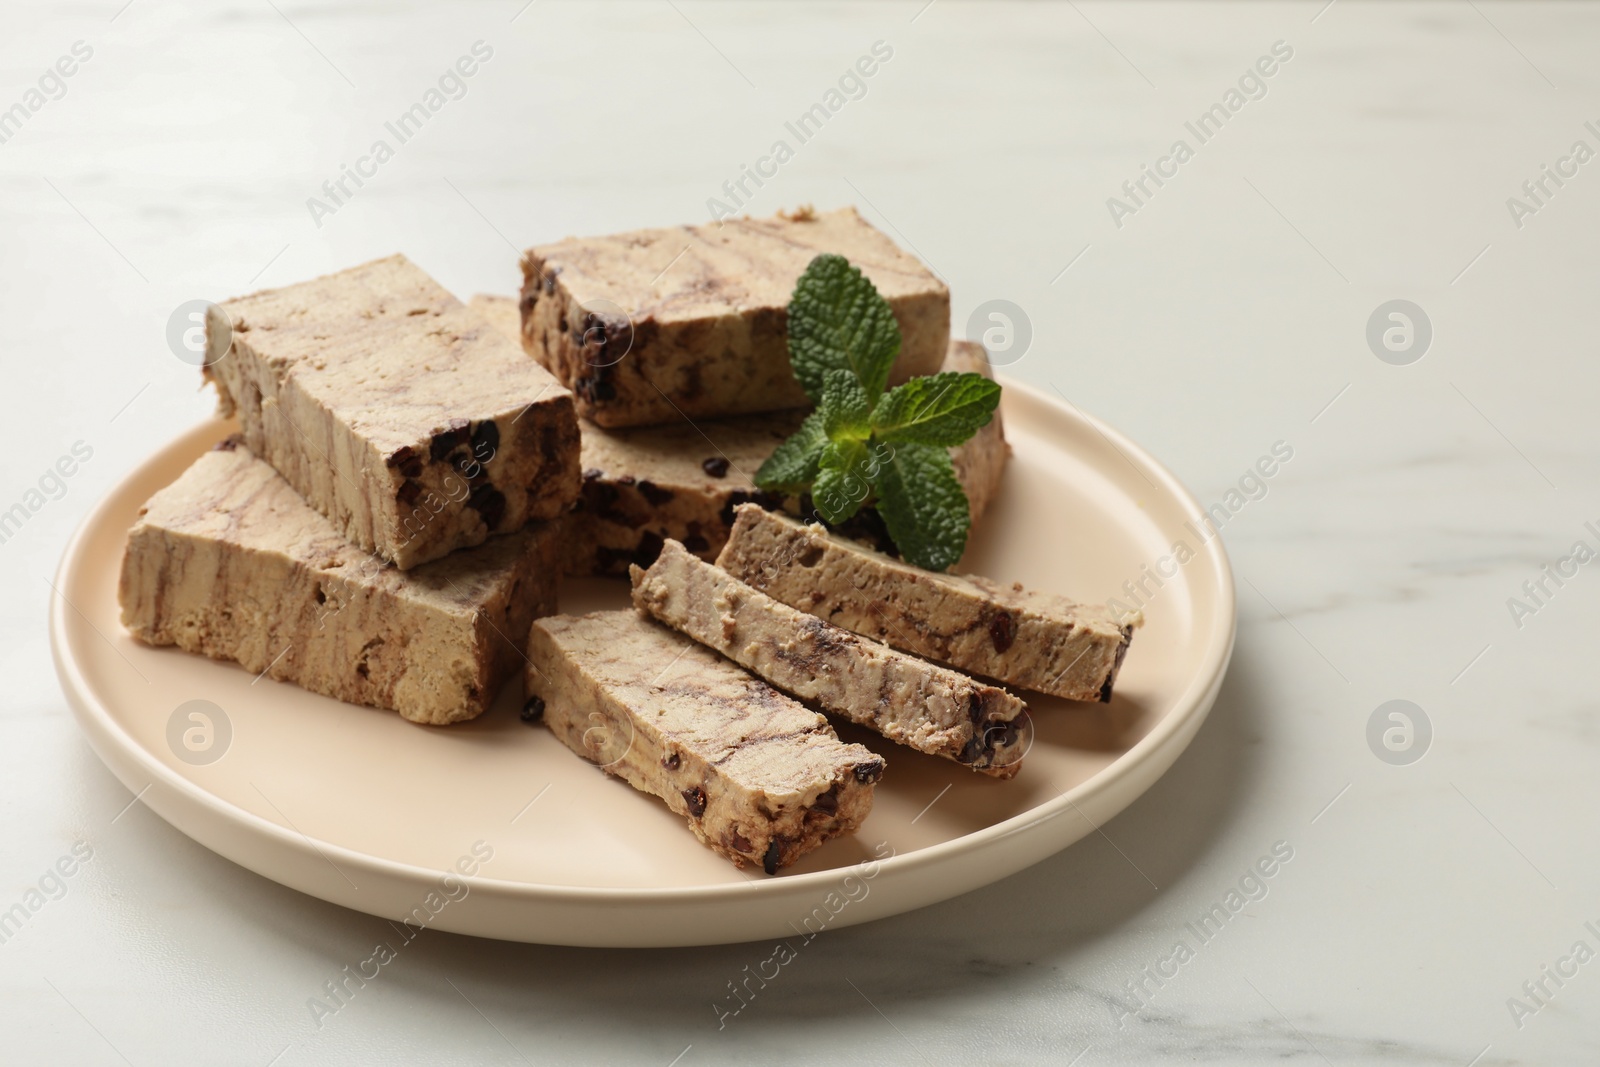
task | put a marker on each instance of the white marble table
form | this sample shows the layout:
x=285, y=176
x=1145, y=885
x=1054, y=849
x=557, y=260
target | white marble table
x=1226, y=313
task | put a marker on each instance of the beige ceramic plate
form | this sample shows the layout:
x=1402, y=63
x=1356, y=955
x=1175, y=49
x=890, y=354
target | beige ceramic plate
x=361, y=808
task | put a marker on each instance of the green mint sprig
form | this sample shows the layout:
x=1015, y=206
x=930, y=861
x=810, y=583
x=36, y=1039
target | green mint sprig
x=864, y=445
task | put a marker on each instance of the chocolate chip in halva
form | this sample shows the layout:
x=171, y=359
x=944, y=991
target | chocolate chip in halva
x=406, y=459
x=485, y=440
x=650, y=546
x=869, y=772
x=654, y=493
x=828, y=802
x=695, y=797
x=445, y=441
x=489, y=502
x=1002, y=630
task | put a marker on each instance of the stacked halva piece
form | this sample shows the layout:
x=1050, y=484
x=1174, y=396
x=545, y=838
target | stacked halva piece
x=385, y=431
x=411, y=476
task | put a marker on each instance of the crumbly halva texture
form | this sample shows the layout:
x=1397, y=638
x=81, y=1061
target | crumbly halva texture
x=650, y=326
x=757, y=776
x=1033, y=640
x=906, y=699
x=645, y=485
x=228, y=561
x=396, y=411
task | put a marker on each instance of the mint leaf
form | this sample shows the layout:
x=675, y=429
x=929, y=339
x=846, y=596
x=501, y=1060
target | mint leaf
x=844, y=479
x=831, y=496
x=837, y=321
x=861, y=446
x=923, y=505
x=793, y=465
x=845, y=408
x=940, y=409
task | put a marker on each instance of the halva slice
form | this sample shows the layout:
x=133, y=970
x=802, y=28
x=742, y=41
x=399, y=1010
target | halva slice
x=757, y=776
x=654, y=325
x=906, y=699
x=396, y=411
x=682, y=480
x=229, y=562
x=1032, y=640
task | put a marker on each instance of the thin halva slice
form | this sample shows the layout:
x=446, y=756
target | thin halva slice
x=651, y=326
x=906, y=699
x=644, y=485
x=757, y=776
x=229, y=562
x=1037, y=641
x=396, y=411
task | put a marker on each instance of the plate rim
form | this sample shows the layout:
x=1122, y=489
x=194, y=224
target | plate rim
x=1196, y=699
